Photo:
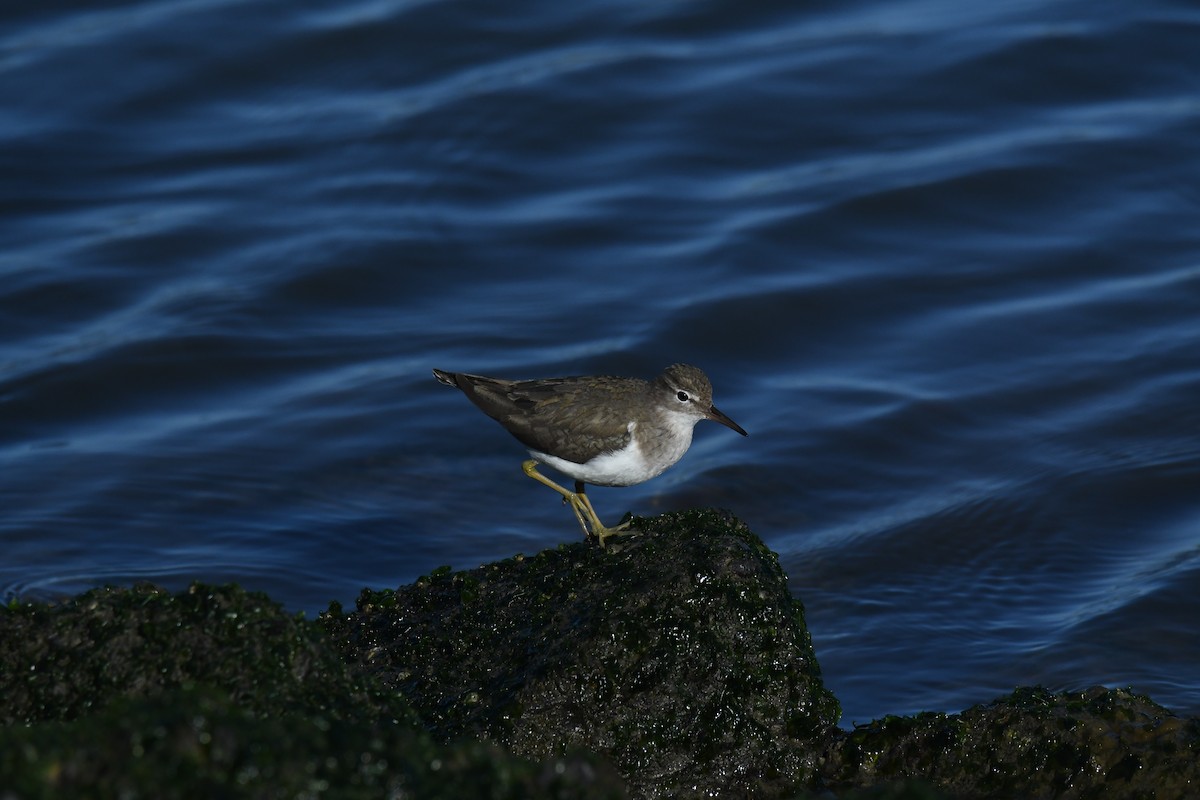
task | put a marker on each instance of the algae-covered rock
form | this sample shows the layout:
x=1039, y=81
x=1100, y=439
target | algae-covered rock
x=61, y=661
x=910, y=789
x=215, y=692
x=678, y=654
x=200, y=743
x=1098, y=744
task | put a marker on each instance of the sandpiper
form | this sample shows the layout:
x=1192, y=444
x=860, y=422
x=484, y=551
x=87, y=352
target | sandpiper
x=602, y=430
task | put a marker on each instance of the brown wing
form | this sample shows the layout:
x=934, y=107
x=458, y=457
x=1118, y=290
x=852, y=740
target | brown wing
x=571, y=418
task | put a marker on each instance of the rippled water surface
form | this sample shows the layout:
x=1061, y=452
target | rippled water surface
x=941, y=259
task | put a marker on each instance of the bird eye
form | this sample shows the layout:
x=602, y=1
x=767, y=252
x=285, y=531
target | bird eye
x=683, y=396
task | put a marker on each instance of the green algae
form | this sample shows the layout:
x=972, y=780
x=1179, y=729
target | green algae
x=672, y=652
x=59, y=662
x=672, y=663
x=192, y=743
x=1100, y=743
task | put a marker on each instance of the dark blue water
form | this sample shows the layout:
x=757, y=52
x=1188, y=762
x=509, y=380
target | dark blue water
x=941, y=259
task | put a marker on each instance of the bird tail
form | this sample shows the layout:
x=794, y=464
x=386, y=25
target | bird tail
x=448, y=378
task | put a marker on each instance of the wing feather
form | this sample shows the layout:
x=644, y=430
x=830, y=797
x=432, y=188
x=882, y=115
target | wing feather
x=564, y=417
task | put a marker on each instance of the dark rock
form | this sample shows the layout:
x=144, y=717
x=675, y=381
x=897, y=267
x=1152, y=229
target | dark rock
x=62, y=661
x=199, y=743
x=215, y=692
x=1101, y=743
x=911, y=789
x=678, y=654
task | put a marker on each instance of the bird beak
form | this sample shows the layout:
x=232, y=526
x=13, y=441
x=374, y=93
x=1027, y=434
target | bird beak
x=717, y=416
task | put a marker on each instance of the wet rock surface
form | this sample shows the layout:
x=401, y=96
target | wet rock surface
x=672, y=664
x=677, y=653
x=216, y=692
x=1100, y=743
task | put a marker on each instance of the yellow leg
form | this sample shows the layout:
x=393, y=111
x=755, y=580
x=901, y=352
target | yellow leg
x=587, y=501
x=530, y=468
x=579, y=502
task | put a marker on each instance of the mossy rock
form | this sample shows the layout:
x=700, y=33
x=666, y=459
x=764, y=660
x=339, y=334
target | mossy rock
x=191, y=743
x=1105, y=744
x=678, y=654
x=215, y=692
x=58, y=662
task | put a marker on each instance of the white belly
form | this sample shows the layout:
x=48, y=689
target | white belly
x=624, y=467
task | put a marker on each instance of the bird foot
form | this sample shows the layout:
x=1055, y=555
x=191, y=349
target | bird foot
x=603, y=533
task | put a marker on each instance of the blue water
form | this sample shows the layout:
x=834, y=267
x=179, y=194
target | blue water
x=941, y=259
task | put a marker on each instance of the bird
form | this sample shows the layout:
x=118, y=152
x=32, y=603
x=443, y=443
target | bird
x=601, y=430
